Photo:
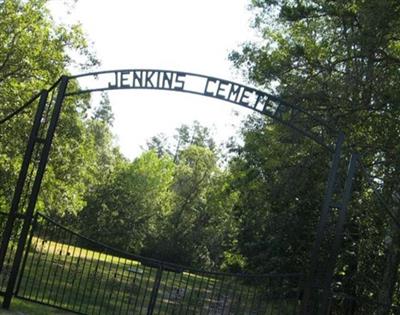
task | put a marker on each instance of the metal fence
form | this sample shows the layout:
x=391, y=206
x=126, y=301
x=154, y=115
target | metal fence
x=63, y=269
x=8, y=261
x=342, y=304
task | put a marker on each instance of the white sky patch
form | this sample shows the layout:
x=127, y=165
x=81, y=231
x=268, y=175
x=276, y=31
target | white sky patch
x=191, y=36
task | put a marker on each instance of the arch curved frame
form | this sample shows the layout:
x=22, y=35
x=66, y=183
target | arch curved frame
x=48, y=111
x=254, y=99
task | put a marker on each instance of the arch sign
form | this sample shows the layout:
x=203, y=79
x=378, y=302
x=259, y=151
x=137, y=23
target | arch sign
x=49, y=105
x=239, y=94
x=190, y=83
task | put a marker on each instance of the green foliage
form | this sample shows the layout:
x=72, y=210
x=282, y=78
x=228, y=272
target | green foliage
x=185, y=136
x=199, y=228
x=280, y=186
x=104, y=112
x=172, y=206
x=339, y=60
x=34, y=52
x=123, y=210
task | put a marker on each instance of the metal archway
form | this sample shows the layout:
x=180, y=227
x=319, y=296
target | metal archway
x=316, y=291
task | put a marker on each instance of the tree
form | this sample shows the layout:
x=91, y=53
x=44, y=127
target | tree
x=199, y=227
x=184, y=137
x=104, y=112
x=340, y=60
x=34, y=53
x=279, y=186
x=124, y=210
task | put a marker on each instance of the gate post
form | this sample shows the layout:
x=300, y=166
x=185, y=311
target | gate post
x=307, y=301
x=28, y=247
x=338, y=234
x=35, y=189
x=12, y=215
x=154, y=292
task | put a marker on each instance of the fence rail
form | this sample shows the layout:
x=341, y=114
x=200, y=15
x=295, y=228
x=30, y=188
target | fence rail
x=9, y=258
x=63, y=269
x=343, y=304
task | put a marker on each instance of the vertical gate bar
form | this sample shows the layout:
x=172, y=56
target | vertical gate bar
x=186, y=289
x=190, y=295
x=34, y=261
x=212, y=301
x=138, y=290
x=12, y=215
x=89, y=274
x=67, y=255
x=133, y=281
x=253, y=300
x=231, y=306
x=246, y=299
x=165, y=295
x=124, y=286
x=47, y=271
x=61, y=262
x=154, y=292
x=170, y=291
x=35, y=191
x=321, y=225
x=343, y=209
x=77, y=264
x=147, y=284
x=37, y=275
x=34, y=224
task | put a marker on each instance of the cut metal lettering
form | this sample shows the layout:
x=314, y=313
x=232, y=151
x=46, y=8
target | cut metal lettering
x=147, y=79
x=251, y=98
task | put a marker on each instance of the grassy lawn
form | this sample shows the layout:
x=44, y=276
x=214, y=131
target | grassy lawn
x=19, y=307
x=93, y=282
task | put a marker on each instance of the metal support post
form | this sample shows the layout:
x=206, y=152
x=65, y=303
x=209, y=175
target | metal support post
x=35, y=192
x=330, y=188
x=154, y=292
x=338, y=234
x=12, y=215
x=34, y=226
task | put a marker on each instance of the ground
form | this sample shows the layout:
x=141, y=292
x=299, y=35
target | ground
x=19, y=307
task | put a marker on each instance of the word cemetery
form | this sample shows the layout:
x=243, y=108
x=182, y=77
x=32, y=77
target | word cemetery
x=196, y=84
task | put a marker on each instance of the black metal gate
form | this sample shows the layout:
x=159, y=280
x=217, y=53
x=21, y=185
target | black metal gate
x=216, y=287
x=65, y=270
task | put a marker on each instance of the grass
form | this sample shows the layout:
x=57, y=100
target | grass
x=92, y=282
x=20, y=307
